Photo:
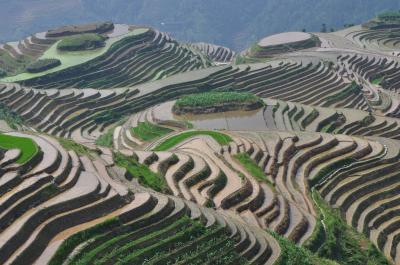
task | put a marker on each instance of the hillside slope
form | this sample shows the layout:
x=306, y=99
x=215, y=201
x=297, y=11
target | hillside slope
x=240, y=23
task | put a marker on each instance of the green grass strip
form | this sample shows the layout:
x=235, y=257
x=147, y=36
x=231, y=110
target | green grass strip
x=27, y=146
x=221, y=138
x=147, y=131
x=253, y=168
x=106, y=139
x=142, y=172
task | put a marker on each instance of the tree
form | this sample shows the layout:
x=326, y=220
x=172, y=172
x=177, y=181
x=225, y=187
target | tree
x=323, y=29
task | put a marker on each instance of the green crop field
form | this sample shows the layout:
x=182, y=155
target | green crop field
x=69, y=59
x=147, y=131
x=221, y=138
x=27, y=146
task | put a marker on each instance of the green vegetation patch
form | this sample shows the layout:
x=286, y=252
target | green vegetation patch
x=390, y=16
x=106, y=139
x=77, y=148
x=354, y=88
x=3, y=73
x=377, y=81
x=43, y=65
x=294, y=254
x=27, y=146
x=253, y=168
x=10, y=65
x=218, y=101
x=13, y=120
x=141, y=172
x=71, y=59
x=180, y=241
x=221, y=138
x=82, y=42
x=147, y=131
x=73, y=241
x=343, y=243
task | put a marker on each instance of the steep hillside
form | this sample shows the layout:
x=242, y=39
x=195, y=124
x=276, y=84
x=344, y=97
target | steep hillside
x=121, y=145
x=235, y=23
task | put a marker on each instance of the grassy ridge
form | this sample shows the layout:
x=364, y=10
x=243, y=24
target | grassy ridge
x=27, y=146
x=147, y=131
x=221, y=138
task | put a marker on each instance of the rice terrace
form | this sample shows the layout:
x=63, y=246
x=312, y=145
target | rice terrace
x=120, y=144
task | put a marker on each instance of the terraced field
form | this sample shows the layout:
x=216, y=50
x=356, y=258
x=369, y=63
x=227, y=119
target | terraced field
x=97, y=167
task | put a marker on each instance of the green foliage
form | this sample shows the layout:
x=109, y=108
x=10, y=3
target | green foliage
x=377, y=81
x=43, y=65
x=253, y=168
x=221, y=138
x=183, y=241
x=10, y=65
x=88, y=41
x=354, y=88
x=106, y=139
x=147, y=131
x=3, y=73
x=343, y=243
x=78, y=148
x=210, y=99
x=13, y=120
x=292, y=254
x=142, y=172
x=27, y=146
x=390, y=16
x=73, y=241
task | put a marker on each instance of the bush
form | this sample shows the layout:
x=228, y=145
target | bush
x=42, y=65
x=81, y=42
x=3, y=73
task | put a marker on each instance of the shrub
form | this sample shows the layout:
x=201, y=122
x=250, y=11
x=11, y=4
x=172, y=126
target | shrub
x=3, y=73
x=88, y=41
x=43, y=65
